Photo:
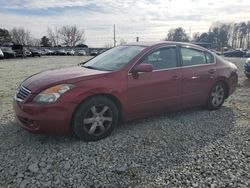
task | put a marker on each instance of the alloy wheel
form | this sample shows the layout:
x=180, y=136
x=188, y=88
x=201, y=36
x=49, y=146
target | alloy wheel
x=98, y=120
x=217, y=96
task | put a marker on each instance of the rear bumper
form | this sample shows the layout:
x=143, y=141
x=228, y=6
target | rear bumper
x=44, y=119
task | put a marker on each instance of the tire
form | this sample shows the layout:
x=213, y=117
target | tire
x=217, y=96
x=95, y=119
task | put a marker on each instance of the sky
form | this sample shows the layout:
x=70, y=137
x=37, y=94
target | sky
x=148, y=19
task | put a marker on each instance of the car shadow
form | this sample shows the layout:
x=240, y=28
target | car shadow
x=164, y=140
x=246, y=83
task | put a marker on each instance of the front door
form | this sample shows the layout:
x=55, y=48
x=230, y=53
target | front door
x=158, y=90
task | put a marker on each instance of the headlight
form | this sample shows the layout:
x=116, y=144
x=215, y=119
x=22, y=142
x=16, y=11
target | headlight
x=51, y=95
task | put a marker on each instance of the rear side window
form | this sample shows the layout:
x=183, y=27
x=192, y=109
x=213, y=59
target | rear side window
x=209, y=58
x=193, y=57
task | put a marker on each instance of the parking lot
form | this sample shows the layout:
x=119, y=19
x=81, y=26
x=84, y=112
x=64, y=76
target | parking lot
x=190, y=148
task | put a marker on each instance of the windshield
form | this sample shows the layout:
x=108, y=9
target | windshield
x=114, y=59
x=6, y=49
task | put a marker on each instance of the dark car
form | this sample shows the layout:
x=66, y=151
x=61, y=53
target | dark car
x=127, y=82
x=35, y=52
x=248, y=53
x=8, y=52
x=81, y=46
x=234, y=53
x=18, y=49
x=27, y=52
x=247, y=68
x=94, y=53
x=61, y=52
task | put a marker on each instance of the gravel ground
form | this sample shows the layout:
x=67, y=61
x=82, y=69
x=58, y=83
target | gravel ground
x=191, y=148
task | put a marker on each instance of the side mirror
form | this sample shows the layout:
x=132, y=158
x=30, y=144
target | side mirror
x=143, y=68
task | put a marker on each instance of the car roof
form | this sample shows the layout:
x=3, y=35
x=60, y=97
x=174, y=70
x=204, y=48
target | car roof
x=159, y=43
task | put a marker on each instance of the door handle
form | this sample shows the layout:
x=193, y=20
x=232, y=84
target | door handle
x=212, y=71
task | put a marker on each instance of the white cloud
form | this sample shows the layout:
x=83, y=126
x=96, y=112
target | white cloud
x=149, y=19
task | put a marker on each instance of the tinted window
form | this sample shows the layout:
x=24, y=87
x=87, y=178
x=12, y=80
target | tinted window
x=192, y=57
x=209, y=58
x=162, y=59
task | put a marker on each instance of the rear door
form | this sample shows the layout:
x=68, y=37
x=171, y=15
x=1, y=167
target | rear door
x=198, y=75
x=157, y=90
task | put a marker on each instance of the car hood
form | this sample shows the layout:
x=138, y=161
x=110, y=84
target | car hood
x=46, y=79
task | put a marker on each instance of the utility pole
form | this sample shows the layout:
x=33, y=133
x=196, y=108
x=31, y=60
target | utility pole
x=114, y=37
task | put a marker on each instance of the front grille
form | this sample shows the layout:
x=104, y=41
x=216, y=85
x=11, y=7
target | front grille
x=22, y=94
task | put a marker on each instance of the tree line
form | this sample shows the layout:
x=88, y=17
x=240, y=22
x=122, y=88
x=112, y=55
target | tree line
x=234, y=35
x=66, y=35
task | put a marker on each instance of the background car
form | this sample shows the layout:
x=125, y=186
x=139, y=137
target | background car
x=81, y=52
x=1, y=54
x=61, y=52
x=18, y=49
x=247, y=68
x=94, y=53
x=234, y=53
x=49, y=51
x=215, y=51
x=248, y=53
x=35, y=52
x=70, y=52
x=27, y=52
x=127, y=82
x=8, y=52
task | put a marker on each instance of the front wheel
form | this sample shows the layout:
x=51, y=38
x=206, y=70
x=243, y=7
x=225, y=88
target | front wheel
x=217, y=96
x=95, y=119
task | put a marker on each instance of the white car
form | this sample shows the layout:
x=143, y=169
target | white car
x=81, y=52
x=1, y=54
x=71, y=52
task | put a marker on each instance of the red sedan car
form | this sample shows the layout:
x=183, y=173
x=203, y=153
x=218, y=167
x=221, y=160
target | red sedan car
x=124, y=83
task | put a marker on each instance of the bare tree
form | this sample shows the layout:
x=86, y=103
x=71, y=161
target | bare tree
x=4, y=36
x=196, y=37
x=248, y=34
x=20, y=36
x=35, y=42
x=177, y=34
x=53, y=36
x=122, y=41
x=109, y=45
x=71, y=35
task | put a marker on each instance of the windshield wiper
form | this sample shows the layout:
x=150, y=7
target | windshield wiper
x=94, y=68
x=89, y=67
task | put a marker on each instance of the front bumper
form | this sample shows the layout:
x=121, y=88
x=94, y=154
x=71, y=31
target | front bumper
x=52, y=119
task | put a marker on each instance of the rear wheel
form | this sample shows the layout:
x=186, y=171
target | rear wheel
x=217, y=96
x=95, y=119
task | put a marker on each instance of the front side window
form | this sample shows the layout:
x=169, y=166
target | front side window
x=162, y=59
x=114, y=59
x=192, y=57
